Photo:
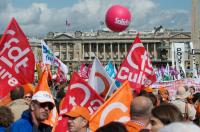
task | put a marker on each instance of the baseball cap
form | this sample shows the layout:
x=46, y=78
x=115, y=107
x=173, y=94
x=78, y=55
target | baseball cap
x=42, y=97
x=79, y=111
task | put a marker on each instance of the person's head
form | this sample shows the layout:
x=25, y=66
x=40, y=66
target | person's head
x=152, y=97
x=164, y=94
x=6, y=116
x=181, y=93
x=78, y=119
x=112, y=127
x=41, y=105
x=28, y=96
x=163, y=115
x=17, y=93
x=180, y=127
x=192, y=89
x=141, y=109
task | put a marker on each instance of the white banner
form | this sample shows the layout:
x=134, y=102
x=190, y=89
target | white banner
x=173, y=85
x=49, y=58
x=180, y=58
x=193, y=61
x=47, y=54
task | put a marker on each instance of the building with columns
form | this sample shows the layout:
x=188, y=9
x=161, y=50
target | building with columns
x=81, y=47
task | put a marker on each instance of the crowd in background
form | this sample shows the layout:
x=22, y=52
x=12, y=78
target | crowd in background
x=151, y=110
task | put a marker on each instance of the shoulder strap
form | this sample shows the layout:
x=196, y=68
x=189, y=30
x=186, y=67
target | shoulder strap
x=186, y=111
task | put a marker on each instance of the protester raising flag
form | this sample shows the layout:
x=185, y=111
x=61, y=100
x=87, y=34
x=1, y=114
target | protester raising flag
x=99, y=79
x=116, y=108
x=137, y=68
x=17, y=60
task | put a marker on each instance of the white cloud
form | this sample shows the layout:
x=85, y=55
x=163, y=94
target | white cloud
x=39, y=19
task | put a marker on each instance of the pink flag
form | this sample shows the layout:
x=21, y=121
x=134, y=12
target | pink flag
x=137, y=68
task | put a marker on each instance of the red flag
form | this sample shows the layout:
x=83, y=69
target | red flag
x=60, y=76
x=137, y=68
x=85, y=71
x=79, y=93
x=17, y=61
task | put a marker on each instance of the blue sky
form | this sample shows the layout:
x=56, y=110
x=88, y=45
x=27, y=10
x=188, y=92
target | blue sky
x=38, y=17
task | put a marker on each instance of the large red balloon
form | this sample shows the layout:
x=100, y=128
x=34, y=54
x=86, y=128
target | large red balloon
x=118, y=18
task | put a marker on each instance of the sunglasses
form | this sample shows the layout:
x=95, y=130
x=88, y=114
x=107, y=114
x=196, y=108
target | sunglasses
x=27, y=97
x=46, y=104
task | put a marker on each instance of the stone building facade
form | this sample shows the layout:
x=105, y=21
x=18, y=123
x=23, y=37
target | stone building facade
x=81, y=47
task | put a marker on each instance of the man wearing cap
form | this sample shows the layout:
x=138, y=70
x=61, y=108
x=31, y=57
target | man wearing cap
x=78, y=119
x=31, y=121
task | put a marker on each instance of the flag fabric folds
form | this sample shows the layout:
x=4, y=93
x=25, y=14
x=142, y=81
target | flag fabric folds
x=111, y=70
x=116, y=108
x=79, y=93
x=137, y=68
x=84, y=71
x=49, y=58
x=167, y=75
x=17, y=62
x=99, y=79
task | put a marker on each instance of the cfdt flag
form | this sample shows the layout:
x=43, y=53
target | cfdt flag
x=137, y=68
x=17, y=61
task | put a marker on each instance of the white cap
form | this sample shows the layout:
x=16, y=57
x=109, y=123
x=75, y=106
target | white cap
x=42, y=97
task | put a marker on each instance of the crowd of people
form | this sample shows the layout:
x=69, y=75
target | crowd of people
x=152, y=110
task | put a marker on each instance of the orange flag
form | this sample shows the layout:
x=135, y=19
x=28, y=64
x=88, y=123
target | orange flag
x=40, y=66
x=43, y=83
x=28, y=88
x=116, y=108
x=43, y=86
x=5, y=100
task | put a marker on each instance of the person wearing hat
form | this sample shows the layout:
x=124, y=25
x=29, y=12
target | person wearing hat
x=31, y=120
x=78, y=119
x=186, y=108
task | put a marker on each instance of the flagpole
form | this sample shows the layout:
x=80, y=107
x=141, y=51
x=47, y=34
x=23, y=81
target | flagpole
x=109, y=90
